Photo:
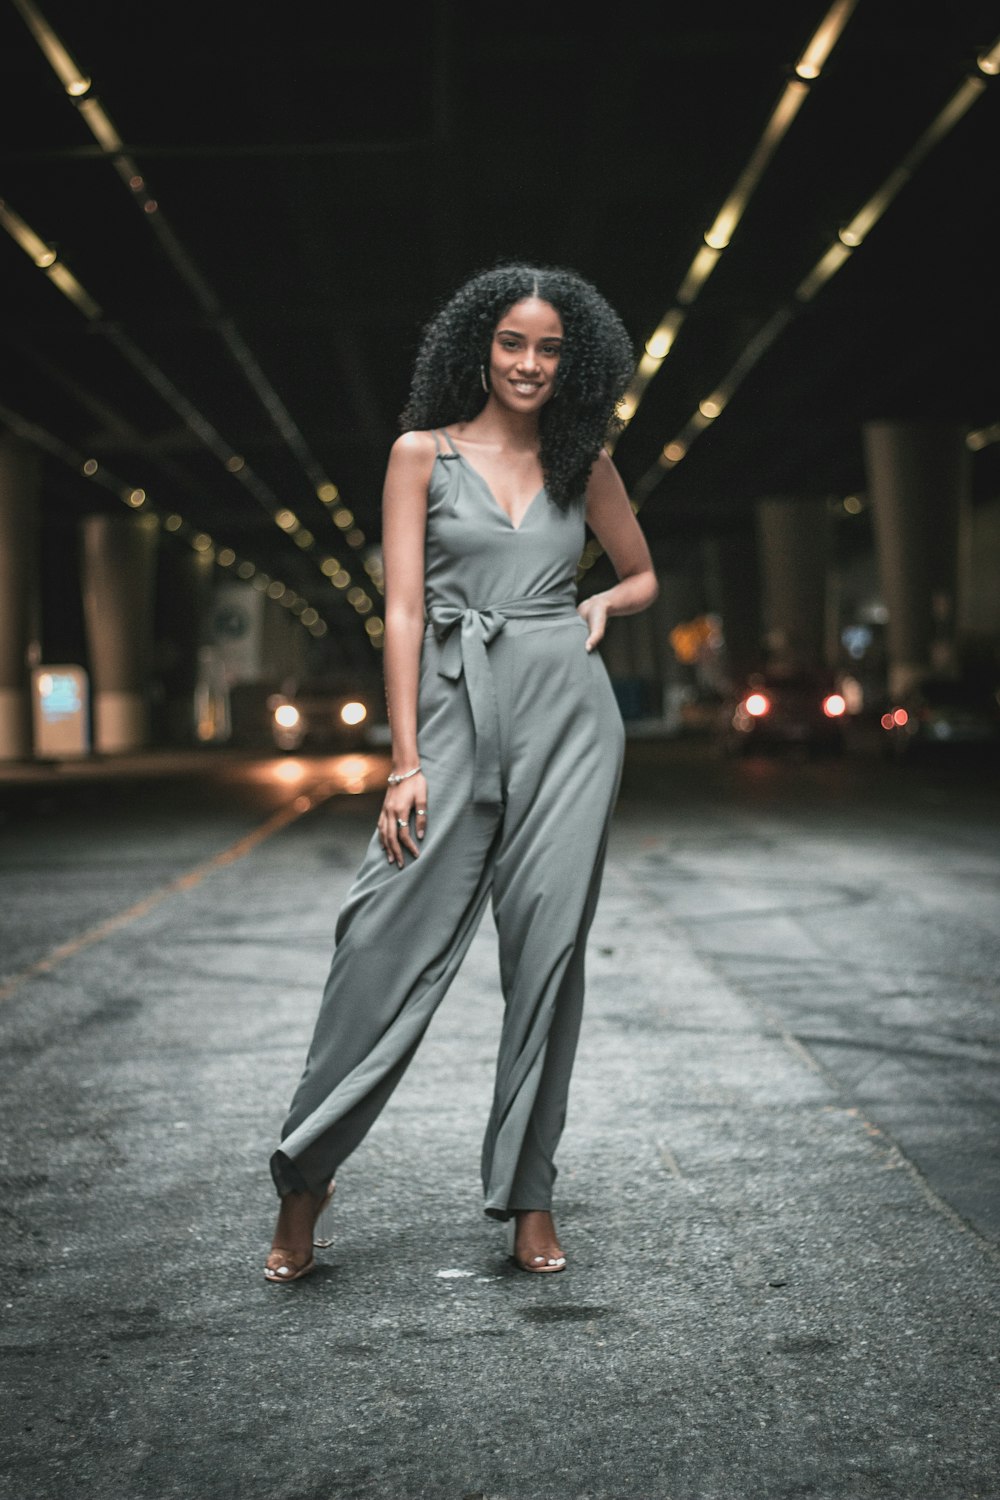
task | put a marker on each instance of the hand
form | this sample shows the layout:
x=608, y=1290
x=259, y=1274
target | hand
x=406, y=805
x=594, y=612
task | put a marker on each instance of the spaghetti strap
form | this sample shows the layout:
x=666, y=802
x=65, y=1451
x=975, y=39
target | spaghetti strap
x=448, y=439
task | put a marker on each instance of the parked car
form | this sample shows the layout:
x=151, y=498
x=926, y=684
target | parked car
x=940, y=715
x=322, y=714
x=775, y=709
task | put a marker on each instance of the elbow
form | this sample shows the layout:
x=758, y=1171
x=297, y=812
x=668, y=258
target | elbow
x=402, y=617
x=653, y=590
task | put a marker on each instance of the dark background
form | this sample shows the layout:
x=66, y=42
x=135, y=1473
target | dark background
x=325, y=175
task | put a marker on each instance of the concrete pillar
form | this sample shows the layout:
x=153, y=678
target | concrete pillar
x=119, y=575
x=643, y=646
x=794, y=541
x=19, y=485
x=637, y=651
x=183, y=597
x=918, y=483
x=681, y=599
x=732, y=574
x=978, y=626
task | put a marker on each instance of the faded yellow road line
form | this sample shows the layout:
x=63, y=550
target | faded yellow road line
x=285, y=815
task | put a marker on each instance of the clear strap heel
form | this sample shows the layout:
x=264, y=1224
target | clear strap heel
x=323, y=1228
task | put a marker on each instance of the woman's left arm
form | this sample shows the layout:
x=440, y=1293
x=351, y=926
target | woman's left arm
x=612, y=520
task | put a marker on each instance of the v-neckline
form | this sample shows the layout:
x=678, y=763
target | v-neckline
x=489, y=489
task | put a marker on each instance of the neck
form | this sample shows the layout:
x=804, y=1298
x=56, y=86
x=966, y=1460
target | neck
x=495, y=423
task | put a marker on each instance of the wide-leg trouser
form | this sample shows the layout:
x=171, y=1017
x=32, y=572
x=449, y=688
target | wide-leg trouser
x=401, y=934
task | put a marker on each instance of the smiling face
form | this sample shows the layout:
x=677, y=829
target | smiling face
x=524, y=355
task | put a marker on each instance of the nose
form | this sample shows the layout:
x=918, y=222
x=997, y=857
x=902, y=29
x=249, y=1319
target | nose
x=528, y=361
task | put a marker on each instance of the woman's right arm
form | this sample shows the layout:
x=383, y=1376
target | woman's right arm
x=404, y=524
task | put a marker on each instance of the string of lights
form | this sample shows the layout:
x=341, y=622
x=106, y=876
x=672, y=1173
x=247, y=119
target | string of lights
x=45, y=258
x=719, y=236
x=851, y=236
x=170, y=521
x=849, y=239
x=79, y=88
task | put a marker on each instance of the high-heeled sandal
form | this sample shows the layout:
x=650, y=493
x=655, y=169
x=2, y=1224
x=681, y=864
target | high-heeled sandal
x=539, y=1265
x=322, y=1230
x=283, y=1275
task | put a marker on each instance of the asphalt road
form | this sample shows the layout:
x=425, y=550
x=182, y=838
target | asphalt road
x=779, y=1181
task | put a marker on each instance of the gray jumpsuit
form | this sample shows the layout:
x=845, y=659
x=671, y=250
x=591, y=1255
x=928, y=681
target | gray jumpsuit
x=521, y=741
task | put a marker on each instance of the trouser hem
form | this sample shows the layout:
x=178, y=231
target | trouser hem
x=502, y=1212
x=287, y=1177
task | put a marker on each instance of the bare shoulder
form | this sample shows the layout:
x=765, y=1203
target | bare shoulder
x=413, y=450
x=408, y=475
x=411, y=462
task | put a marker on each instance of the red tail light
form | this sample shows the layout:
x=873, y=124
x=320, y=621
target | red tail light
x=834, y=705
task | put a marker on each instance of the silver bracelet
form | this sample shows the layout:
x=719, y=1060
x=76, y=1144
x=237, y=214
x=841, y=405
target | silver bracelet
x=394, y=780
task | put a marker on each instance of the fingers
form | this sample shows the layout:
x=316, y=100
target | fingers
x=389, y=834
x=401, y=818
x=595, y=620
x=406, y=837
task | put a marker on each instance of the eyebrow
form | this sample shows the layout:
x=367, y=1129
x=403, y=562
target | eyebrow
x=515, y=333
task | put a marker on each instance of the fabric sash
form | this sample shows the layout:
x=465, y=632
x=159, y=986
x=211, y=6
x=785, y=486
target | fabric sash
x=464, y=653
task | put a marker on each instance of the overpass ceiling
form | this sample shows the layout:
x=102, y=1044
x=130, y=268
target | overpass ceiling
x=324, y=175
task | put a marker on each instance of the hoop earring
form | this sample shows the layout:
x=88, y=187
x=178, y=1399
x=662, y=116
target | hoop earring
x=482, y=378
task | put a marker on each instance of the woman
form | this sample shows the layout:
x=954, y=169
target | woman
x=507, y=741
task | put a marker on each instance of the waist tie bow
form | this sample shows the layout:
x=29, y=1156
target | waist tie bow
x=465, y=654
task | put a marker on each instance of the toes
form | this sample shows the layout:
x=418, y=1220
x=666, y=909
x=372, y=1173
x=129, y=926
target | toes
x=542, y=1262
x=280, y=1266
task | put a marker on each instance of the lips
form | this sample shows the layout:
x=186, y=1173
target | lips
x=526, y=387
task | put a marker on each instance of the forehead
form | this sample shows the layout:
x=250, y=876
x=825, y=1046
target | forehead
x=532, y=316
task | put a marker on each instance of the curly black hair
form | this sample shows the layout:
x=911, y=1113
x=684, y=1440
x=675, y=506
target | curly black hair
x=594, y=369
